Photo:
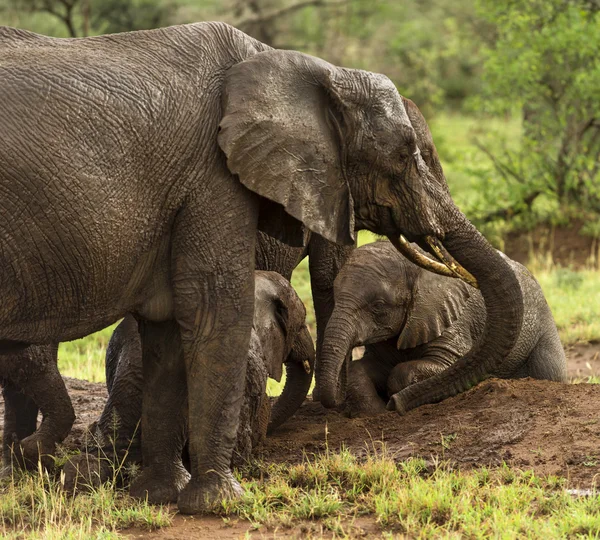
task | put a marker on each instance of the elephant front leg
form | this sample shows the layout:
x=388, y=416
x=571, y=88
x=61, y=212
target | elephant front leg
x=363, y=398
x=216, y=357
x=163, y=414
x=212, y=269
x=411, y=372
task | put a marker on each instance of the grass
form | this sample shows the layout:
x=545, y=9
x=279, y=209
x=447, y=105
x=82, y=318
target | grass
x=35, y=506
x=415, y=499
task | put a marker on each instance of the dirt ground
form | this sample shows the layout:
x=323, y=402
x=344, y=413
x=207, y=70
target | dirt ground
x=567, y=246
x=548, y=427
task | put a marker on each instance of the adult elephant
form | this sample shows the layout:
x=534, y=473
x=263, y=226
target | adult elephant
x=135, y=170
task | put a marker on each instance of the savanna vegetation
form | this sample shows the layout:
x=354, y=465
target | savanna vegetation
x=510, y=90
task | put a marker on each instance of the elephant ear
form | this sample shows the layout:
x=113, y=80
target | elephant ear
x=437, y=302
x=281, y=134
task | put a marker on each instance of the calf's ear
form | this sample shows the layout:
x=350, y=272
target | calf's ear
x=436, y=303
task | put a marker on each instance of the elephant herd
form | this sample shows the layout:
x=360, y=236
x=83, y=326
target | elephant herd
x=174, y=178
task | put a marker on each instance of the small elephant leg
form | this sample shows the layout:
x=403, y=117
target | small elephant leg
x=163, y=475
x=20, y=420
x=116, y=435
x=256, y=408
x=411, y=372
x=365, y=378
x=44, y=386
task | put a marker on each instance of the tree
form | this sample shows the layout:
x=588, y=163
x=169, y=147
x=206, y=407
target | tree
x=545, y=65
x=63, y=10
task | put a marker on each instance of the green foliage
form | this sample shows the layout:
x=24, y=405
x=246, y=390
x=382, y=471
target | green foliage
x=544, y=65
x=111, y=16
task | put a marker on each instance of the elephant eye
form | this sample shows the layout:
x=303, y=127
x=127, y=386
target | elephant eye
x=377, y=305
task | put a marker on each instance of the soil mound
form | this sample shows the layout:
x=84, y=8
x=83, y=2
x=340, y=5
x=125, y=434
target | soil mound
x=550, y=427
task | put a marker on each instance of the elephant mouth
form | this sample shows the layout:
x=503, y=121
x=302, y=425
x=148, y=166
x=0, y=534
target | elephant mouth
x=445, y=265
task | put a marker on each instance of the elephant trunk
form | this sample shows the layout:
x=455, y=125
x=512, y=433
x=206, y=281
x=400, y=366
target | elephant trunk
x=504, y=304
x=299, y=367
x=339, y=339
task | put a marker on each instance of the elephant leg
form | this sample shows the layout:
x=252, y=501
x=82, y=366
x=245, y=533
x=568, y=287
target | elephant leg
x=214, y=306
x=20, y=421
x=116, y=435
x=45, y=387
x=411, y=372
x=164, y=394
x=325, y=260
x=365, y=378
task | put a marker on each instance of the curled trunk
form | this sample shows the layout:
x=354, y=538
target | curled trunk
x=299, y=367
x=504, y=304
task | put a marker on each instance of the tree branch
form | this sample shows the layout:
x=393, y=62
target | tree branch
x=275, y=14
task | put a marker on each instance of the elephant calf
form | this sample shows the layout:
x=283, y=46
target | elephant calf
x=279, y=336
x=30, y=380
x=414, y=324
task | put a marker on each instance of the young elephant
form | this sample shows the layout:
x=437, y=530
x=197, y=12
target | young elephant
x=414, y=324
x=279, y=336
x=30, y=382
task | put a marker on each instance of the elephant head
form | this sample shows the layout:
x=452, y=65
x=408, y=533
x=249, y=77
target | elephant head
x=380, y=295
x=340, y=150
x=279, y=322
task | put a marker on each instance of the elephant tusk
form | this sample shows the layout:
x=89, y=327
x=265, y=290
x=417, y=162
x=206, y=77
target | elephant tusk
x=420, y=258
x=306, y=365
x=450, y=262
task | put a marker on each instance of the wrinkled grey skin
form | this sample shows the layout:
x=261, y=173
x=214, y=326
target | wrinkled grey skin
x=415, y=324
x=30, y=378
x=279, y=336
x=135, y=171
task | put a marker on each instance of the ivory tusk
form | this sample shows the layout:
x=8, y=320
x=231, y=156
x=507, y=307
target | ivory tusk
x=451, y=263
x=306, y=365
x=420, y=258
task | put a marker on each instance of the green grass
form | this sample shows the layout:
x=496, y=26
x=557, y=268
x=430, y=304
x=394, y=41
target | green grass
x=35, y=506
x=415, y=499
x=84, y=358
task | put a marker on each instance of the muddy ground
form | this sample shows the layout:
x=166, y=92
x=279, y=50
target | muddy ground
x=548, y=427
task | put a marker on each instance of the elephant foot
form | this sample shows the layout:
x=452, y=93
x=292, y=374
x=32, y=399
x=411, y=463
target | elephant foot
x=397, y=403
x=30, y=452
x=363, y=410
x=85, y=471
x=160, y=485
x=202, y=496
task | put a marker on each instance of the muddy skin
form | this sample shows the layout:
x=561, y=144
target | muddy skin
x=279, y=337
x=414, y=324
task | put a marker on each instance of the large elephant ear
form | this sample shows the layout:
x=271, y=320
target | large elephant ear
x=281, y=134
x=437, y=302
